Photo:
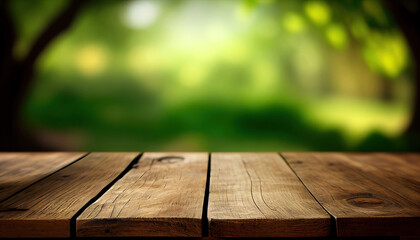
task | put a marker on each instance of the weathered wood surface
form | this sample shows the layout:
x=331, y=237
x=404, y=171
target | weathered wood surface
x=373, y=194
x=162, y=196
x=251, y=194
x=258, y=195
x=46, y=208
x=19, y=170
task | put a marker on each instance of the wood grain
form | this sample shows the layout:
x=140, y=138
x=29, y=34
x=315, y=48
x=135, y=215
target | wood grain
x=19, y=170
x=162, y=196
x=369, y=194
x=258, y=195
x=46, y=208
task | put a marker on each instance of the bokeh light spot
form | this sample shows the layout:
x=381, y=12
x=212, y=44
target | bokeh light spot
x=91, y=59
x=293, y=23
x=386, y=54
x=141, y=14
x=318, y=12
x=337, y=36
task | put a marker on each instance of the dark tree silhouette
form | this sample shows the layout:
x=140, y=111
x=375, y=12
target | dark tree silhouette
x=406, y=14
x=16, y=75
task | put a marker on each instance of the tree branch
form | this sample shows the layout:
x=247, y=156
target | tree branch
x=24, y=69
x=61, y=23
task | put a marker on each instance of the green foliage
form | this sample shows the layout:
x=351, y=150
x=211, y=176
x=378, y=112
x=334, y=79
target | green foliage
x=238, y=75
x=318, y=12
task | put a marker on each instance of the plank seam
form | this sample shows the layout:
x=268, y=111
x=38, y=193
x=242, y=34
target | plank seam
x=204, y=218
x=46, y=176
x=333, y=230
x=365, y=175
x=104, y=190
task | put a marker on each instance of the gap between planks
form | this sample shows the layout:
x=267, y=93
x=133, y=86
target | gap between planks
x=333, y=230
x=205, y=207
x=369, y=194
x=104, y=190
x=239, y=207
x=71, y=158
x=169, y=187
x=205, y=220
x=48, y=206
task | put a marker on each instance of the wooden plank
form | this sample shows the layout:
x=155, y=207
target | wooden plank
x=372, y=194
x=258, y=195
x=19, y=170
x=46, y=208
x=162, y=196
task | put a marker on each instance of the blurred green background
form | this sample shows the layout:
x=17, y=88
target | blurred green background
x=220, y=75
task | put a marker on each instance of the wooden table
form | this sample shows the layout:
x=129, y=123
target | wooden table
x=220, y=195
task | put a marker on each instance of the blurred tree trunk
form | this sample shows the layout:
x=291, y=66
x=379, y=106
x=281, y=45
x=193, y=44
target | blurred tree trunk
x=16, y=75
x=406, y=14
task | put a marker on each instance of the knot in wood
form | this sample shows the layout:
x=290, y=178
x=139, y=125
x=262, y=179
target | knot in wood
x=365, y=200
x=170, y=159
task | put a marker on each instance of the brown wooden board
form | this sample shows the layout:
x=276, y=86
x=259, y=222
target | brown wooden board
x=19, y=170
x=258, y=195
x=369, y=194
x=46, y=208
x=162, y=196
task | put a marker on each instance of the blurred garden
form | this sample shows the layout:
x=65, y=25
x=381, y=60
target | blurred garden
x=219, y=75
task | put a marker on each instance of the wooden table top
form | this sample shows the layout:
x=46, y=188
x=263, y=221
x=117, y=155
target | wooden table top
x=61, y=195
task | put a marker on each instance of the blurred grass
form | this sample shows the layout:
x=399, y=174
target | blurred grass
x=109, y=123
x=222, y=76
